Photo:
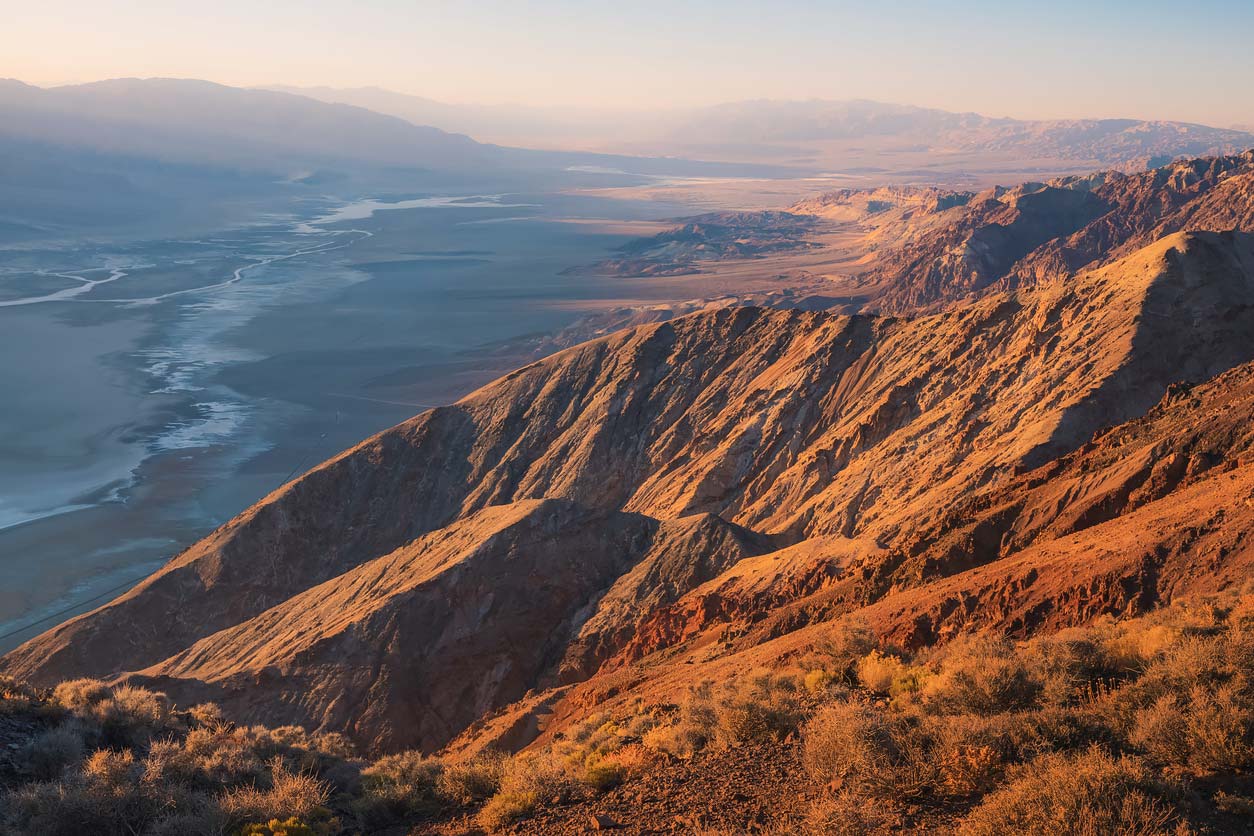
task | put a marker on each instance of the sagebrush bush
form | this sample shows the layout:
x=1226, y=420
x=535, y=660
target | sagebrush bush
x=54, y=751
x=862, y=749
x=505, y=808
x=399, y=787
x=289, y=794
x=1076, y=794
x=470, y=782
x=1202, y=731
x=888, y=674
x=983, y=674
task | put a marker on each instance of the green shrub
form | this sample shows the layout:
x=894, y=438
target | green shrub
x=604, y=775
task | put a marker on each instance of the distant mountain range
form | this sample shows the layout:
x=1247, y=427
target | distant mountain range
x=805, y=131
x=141, y=154
x=200, y=122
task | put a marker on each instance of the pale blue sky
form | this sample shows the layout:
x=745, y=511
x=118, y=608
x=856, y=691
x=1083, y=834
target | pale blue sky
x=1147, y=59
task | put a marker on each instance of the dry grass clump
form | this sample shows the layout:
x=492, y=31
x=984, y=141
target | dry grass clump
x=1082, y=793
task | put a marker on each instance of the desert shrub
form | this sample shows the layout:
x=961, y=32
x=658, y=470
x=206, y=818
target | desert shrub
x=125, y=716
x=603, y=775
x=18, y=698
x=982, y=675
x=105, y=797
x=79, y=694
x=291, y=827
x=52, y=752
x=848, y=641
x=1074, y=665
x=196, y=815
x=862, y=749
x=820, y=680
x=208, y=715
x=761, y=707
x=1237, y=805
x=542, y=774
x=635, y=759
x=1203, y=731
x=846, y=814
x=505, y=808
x=889, y=675
x=472, y=781
x=399, y=787
x=209, y=759
x=289, y=794
x=691, y=728
x=67, y=808
x=1076, y=793
x=131, y=716
x=528, y=781
x=968, y=753
x=679, y=739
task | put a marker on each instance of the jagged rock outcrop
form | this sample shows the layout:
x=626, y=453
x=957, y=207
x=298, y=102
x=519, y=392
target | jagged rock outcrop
x=1003, y=239
x=706, y=487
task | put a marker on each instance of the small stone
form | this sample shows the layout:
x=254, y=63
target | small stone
x=600, y=821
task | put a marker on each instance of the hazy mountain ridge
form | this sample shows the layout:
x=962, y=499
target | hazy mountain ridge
x=839, y=462
x=778, y=129
x=198, y=121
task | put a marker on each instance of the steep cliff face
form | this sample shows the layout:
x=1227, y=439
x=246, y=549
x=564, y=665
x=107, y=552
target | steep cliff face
x=699, y=490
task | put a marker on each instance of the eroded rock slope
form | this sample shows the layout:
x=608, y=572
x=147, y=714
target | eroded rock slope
x=700, y=490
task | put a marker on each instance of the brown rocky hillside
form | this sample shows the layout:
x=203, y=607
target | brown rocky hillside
x=1052, y=426
x=563, y=526
x=933, y=248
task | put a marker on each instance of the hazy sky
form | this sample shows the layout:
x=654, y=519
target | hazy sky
x=1137, y=58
